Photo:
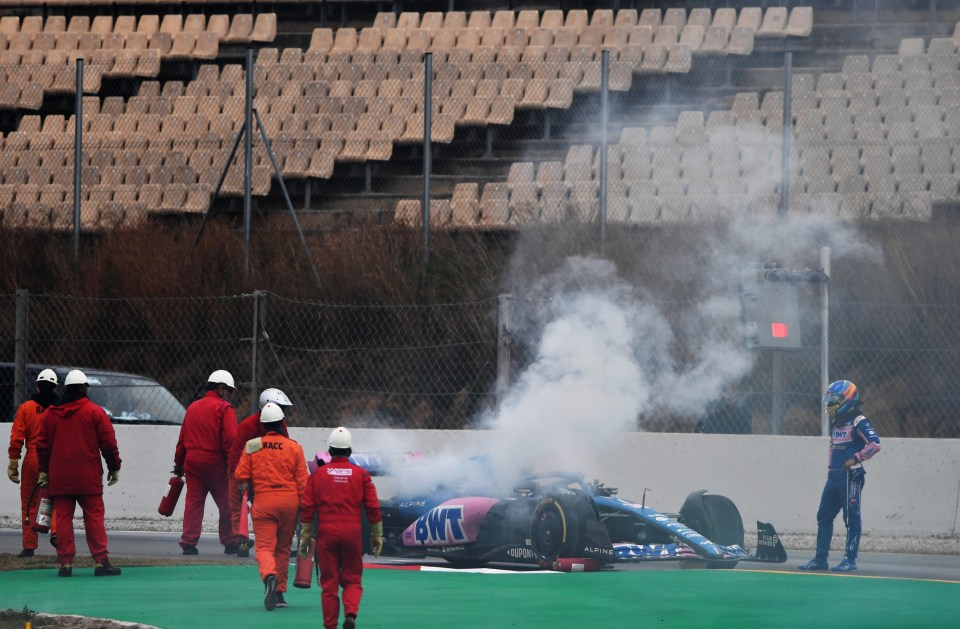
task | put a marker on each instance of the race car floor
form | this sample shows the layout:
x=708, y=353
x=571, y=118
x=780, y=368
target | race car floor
x=232, y=596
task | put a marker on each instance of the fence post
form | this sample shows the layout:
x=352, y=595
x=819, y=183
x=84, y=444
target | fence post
x=785, y=134
x=77, y=158
x=247, y=161
x=427, y=144
x=776, y=422
x=259, y=303
x=20, y=347
x=604, y=115
x=824, y=337
x=503, y=346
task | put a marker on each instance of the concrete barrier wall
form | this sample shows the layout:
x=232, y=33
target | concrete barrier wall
x=912, y=489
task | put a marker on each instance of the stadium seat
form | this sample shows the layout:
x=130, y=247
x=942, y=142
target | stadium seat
x=478, y=20
x=431, y=21
x=465, y=204
x=800, y=23
x=650, y=17
x=750, y=18
x=626, y=17
x=692, y=36
x=241, y=29
x=494, y=205
x=741, y=41
x=774, y=23
x=264, y=28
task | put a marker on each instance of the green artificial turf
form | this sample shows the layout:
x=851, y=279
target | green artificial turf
x=232, y=596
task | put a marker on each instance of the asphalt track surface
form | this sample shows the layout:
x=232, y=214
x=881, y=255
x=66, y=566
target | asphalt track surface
x=891, y=590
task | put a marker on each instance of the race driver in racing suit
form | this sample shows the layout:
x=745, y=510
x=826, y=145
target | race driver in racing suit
x=336, y=493
x=250, y=428
x=853, y=440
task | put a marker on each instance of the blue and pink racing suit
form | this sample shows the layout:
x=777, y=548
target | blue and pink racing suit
x=854, y=438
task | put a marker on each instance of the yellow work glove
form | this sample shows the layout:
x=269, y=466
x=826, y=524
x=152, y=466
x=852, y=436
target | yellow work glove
x=13, y=471
x=44, y=479
x=306, y=533
x=376, y=538
x=113, y=477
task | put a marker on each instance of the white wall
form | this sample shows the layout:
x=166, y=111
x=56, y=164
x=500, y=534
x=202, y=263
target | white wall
x=912, y=489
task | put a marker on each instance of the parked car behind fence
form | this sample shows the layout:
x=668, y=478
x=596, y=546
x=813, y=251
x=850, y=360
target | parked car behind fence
x=127, y=398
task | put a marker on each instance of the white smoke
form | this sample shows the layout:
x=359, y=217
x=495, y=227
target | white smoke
x=595, y=369
x=605, y=351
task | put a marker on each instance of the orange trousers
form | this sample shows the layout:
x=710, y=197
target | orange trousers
x=29, y=475
x=274, y=521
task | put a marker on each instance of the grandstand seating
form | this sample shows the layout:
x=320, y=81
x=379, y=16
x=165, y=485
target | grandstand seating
x=876, y=139
x=486, y=68
x=129, y=168
x=872, y=141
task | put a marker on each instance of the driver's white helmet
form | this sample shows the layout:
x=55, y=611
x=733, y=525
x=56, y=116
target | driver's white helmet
x=276, y=396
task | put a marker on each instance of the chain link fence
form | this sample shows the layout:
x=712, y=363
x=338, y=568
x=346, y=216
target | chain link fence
x=438, y=366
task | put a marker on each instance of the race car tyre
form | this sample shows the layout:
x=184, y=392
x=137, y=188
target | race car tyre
x=716, y=518
x=555, y=528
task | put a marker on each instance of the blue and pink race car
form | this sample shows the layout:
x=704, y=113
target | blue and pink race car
x=559, y=520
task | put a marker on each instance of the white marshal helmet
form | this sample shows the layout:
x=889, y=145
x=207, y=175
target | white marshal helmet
x=47, y=375
x=222, y=376
x=75, y=377
x=340, y=438
x=276, y=396
x=270, y=413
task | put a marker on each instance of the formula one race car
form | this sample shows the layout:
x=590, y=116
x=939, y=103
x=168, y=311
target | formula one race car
x=553, y=518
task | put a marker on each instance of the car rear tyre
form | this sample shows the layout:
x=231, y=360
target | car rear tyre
x=716, y=518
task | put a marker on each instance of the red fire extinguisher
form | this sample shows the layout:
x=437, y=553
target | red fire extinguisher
x=304, y=574
x=41, y=523
x=170, y=497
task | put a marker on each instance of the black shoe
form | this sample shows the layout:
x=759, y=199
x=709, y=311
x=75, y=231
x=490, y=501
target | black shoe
x=270, y=597
x=105, y=570
x=190, y=550
x=26, y=552
x=350, y=622
x=243, y=550
x=53, y=541
x=280, y=601
x=230, y=549
x=66, y=570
